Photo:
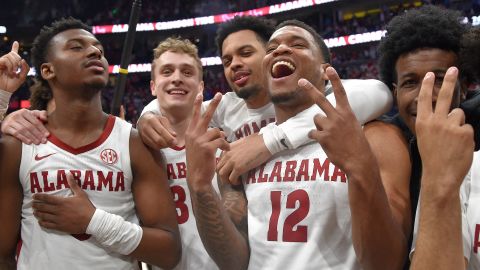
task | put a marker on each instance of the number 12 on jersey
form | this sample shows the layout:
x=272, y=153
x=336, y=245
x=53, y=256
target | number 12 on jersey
x=290, y=233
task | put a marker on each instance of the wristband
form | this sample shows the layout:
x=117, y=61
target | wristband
x=4, y=100
x=274, y=139
x=114, y=233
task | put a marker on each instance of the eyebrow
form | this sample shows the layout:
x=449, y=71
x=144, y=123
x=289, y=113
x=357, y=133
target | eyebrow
x=81, y=40
x=290, y=38
x=412, y=74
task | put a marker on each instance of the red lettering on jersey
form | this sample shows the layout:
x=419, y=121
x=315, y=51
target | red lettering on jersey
x=238, y=134
x=476, y=240
x=320, y=169
x=182, y=170
x=262, y=177
x=276, y=172
x=338, y=173
x=303, y=171
x=62, y=180
x=34, y=184
x=170, y=172
x=46, y=185
x=104, y=182
x=120, y=182
x=246, y=130
x=251, y=177
x=88, y=182
x=290, y=171
x=76, y=176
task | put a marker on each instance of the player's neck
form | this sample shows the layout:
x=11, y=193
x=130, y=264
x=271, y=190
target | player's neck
x=179, y=122
x=283, y=112
x=258, y=101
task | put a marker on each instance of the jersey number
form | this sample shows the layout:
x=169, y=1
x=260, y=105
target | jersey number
x=290, y=233
x=179, y=197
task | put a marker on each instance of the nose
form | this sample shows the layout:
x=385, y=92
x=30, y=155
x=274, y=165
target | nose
x=94, y=51
x=236, y=63
x=177, y=77
x=281, y=49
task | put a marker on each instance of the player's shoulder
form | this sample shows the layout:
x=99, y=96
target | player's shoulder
x=383, y=132
x=9, y=141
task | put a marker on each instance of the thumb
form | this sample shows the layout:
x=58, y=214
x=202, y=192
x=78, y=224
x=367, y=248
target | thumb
x=42, y=115
x=15, y=46
x=76, y=190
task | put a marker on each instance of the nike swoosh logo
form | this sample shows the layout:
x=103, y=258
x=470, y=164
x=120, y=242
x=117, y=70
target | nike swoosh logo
x=37, y=157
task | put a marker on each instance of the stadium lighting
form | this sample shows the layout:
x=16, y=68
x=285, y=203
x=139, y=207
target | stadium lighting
x=3, y=29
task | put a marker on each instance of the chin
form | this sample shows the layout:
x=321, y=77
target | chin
x=285, y=97
x=248, y=91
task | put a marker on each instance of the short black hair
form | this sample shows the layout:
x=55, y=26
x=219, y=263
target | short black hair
x=262, y=27
x=40, y=46
x=318, y=39
x=40, y=96
x=470, y=55
x=426, y=27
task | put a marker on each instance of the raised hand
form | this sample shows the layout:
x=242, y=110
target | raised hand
x=202, y=143
x=156, y=132
x=10, y=79
x=339, y=132
x=444, y=140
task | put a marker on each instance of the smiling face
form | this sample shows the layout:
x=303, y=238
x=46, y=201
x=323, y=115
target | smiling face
x=242, y=55
x=176, y=80
x=75, y=59
x=411, y=68
x=292, y=53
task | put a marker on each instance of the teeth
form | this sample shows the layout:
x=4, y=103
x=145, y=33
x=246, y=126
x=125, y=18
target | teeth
x=288, y=64
x=177, y=92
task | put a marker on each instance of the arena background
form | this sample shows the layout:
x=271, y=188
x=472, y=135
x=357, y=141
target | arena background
x=351, y=29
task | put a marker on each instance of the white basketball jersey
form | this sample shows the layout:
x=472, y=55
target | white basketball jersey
x=470, y=196
x=103, y=171
x=298, y=213
x=194, y=255
x=233, y=116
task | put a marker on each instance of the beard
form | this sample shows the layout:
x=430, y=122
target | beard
x=248, y=91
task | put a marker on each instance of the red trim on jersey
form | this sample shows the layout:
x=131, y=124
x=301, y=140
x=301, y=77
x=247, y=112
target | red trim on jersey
x=82, y=149
x=19, y=248
x=178, y=148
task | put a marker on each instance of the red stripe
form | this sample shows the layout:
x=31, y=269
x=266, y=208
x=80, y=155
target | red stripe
x=82, y=149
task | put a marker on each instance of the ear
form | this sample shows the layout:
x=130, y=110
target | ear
x=47, y=71
x=152, y=88
x=394, y=93
x=324, y=67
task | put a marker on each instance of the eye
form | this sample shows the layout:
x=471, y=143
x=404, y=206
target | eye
x=76, y=48
x=299, y=45
x=408, y=84
x=226, y=62
x=271, y=48
x=246, y=53
x=166, y=71
x=188, y=73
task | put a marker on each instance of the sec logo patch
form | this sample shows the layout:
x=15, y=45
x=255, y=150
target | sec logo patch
x=109, y=156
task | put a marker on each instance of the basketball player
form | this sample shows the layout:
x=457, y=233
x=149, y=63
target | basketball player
x=292, y=212
x=176, y=81
x=241, y=43
x=417, y=42
x=116, y=182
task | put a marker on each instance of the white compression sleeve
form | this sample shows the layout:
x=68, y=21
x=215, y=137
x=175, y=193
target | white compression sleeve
x=4, y=100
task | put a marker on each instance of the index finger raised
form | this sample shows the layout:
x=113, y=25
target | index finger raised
x=424, y=107
x=208, y=114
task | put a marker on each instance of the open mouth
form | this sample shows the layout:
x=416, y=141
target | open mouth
x=241, y=77
x=282, y=69
x=177, y=92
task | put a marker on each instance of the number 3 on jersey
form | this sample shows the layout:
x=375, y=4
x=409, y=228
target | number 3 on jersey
x=179, y=197
x=290, y=233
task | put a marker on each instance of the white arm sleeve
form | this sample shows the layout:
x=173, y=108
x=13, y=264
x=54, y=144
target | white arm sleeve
x=368, y=99
x=4, y=100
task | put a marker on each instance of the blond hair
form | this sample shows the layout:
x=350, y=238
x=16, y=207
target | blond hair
x=177, y=45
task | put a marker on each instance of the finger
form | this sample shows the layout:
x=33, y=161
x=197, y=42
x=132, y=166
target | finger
x=122, y=112
x=338, y=89
x=316, y=135
x=320, y=121
x=220, y=143
x=223, y=160
x=26, y=128
x=15, y=47
x=167, y=126
x=161, y=134
x=45, y=217
x=234, y=176
x=153, y=139
x=457, y=116
x=17, y=130
x=212, y=134
x=47, y=198
x=35, y=127
x=47, y=225
x=319, y=98
x=236, y=181
x=225, y=170
x=424, y=107
x=43, y=116
x=207, y=116
x=43, y=207
x=444, y=100
x=74, y=187
x=197, y=104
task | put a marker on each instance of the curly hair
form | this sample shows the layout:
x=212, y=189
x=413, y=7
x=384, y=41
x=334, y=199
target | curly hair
x=177, y=45
x=425, y=27
x=470, y=55
x=40, y=96
x=318, y=39
x=40, y=46
x=262, y=27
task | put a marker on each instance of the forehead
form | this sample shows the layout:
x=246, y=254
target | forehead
x=73, y=34
x=424, y=60
x=241, y=39
x=175, y=59
x=289, y=32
